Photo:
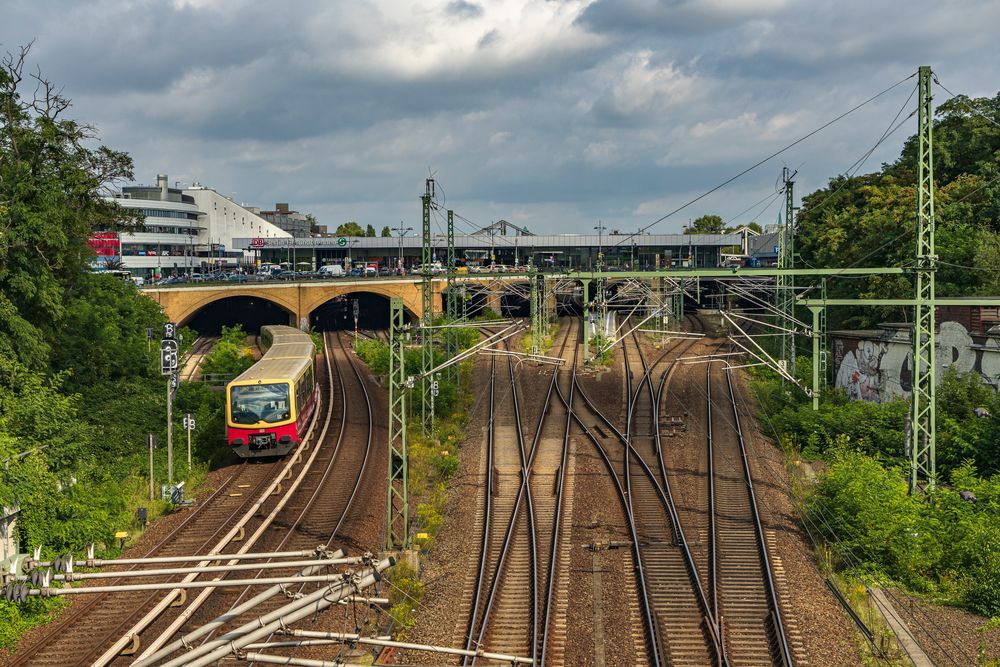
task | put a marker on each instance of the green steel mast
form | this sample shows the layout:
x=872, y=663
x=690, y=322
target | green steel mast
x=923, y=426
x=397, y=534
x=427, y=304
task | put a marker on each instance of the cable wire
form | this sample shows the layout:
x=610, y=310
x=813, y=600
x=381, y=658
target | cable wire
x=766, y=159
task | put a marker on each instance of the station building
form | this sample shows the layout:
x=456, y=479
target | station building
x=553, y=251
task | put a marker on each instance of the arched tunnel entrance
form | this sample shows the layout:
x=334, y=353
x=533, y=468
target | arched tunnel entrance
x=516, y=301
x=472, y=300
x=250, y=312
x=338, y=312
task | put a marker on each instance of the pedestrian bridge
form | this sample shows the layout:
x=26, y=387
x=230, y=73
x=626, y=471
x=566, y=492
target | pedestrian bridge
x=299, y=299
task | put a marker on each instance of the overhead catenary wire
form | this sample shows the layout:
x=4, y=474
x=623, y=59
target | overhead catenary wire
x=766, y=159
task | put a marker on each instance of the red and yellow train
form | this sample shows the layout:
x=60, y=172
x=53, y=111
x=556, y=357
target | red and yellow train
x=269, y=406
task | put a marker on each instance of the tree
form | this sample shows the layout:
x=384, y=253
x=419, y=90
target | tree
x=51, y=186
x=313, y=224
x=706, y=224
x=386, y=232
x=370, y=231
x=350, y=228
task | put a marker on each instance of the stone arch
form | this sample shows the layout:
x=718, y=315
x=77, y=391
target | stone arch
x=318, y=295
x=336, y=310
x=185, y=309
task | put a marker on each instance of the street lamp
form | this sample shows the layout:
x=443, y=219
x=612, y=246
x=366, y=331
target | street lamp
x=600, y=246
x=402, y=233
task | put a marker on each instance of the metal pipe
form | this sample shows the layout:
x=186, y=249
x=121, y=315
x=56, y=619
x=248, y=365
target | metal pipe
x=168, y=599
x=98, y=562
x=252, y=656
x=235, y=612
x=189, y=611
x=232, y=642
x=355, y=638
x=167, y=585
x=80, y=576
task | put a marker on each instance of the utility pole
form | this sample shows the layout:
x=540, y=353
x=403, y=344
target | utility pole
x=786, y=284
x=451, y=302
x=602, y=283
x=402, y=233
x=169, y=355
x=923, y=420
x=427, y=303
x=397, y=511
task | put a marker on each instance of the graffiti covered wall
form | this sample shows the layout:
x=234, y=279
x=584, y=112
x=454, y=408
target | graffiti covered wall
x=877, y=365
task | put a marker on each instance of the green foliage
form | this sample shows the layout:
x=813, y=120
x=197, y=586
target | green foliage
x=867, y=220
x=404, y=596
x=79, y=386
x=375, y=353
x=386, y=232
x=600, y=342
x=16, y=619
x=706, y=224
x=50, y=186
x=350, y=228
x=230, y=356
x=370, y=230
x=940, y=543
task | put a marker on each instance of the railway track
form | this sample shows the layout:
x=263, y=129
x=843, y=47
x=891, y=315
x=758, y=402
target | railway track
x=748, y=608
x=108, y=627
x=516, y=604
x=191, y=368
x=315, y=514
x=669, y=599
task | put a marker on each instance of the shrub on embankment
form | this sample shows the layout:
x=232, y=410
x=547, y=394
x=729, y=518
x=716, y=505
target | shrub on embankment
x=932, y=543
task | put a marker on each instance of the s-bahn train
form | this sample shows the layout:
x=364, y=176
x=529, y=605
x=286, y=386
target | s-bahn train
x=268, y=407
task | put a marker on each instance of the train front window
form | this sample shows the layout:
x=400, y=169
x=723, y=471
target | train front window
x=255, y=403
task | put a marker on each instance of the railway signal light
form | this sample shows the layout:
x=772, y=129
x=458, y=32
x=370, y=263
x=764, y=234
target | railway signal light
x=169, y=330
x=189, y=422
x=168, y=356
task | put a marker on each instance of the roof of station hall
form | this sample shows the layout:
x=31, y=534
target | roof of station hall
x=541, y=241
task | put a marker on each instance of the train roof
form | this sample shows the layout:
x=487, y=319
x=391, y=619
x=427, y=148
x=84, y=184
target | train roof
x=290, y=353
x=274, y=370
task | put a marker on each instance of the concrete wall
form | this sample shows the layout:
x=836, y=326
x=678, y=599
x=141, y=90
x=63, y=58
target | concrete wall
x=877, y=365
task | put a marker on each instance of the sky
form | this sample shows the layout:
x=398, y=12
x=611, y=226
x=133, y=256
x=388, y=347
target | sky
x=552, y=114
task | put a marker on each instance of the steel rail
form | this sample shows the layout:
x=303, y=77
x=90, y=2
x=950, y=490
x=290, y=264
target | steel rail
x=326, y=473
x=549, y=601
x=167, y=600
x=714, y=630
x=629, y=519
x=77, y=612
x=777, y=624
x=528, y=457
x=507, y=544
x=210, y=630
x=487, y=510
x=665, y=494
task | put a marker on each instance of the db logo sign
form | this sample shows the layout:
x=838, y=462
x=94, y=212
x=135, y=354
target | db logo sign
x=257, y=242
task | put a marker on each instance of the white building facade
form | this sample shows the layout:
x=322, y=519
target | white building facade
x=188, y=230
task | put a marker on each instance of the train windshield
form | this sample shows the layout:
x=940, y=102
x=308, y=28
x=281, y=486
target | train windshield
x=255, y=403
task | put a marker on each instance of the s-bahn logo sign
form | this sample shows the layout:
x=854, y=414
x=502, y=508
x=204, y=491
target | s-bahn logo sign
x=341, y=241
x=257, y=242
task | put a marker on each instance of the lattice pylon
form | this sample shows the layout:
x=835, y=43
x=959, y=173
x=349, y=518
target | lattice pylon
x=397, y=532
x=923, y=419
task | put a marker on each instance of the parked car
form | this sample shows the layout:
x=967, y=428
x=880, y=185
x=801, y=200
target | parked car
x=237, y=278
x=331, y=271
x=357, y=272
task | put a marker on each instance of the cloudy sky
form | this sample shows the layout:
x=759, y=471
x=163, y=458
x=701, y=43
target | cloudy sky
x=553, y=114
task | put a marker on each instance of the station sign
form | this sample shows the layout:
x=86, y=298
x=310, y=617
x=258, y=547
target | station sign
x=257, y=242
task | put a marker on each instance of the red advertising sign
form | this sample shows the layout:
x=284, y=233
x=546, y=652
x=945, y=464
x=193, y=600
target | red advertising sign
x=105, y=244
